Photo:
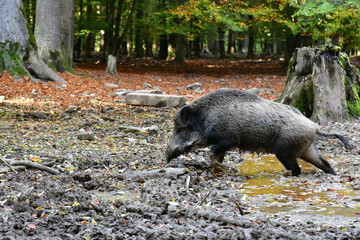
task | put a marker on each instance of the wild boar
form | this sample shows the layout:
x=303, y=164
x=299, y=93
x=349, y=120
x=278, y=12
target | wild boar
x=229, y=118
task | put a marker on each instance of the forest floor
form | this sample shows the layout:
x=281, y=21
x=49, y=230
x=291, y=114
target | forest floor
x=117, y=185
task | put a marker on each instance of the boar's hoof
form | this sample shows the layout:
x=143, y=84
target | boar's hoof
x=216, y=165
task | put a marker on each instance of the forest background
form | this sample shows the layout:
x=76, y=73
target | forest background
x=97, y=31
x=187, y=28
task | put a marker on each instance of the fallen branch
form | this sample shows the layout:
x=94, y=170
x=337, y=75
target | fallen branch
x=8, y=165
x=30, y=164
x=14, y=169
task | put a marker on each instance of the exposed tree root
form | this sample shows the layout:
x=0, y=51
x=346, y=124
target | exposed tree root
x=40, y=70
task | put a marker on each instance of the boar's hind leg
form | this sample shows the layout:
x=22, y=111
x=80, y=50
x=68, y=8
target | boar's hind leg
x=290, y=163
x=312, y=156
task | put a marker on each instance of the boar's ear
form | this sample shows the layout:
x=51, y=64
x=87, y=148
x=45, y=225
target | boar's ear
x=186, y=113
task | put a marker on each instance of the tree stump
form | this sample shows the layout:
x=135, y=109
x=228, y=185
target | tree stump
x=322, y=84
x=111, y=65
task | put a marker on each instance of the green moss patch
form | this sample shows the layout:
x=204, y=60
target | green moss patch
x=10, y=59
x=304, y=102
x=354, y=106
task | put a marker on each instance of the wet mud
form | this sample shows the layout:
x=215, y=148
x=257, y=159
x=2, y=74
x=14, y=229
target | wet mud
x=118, y=186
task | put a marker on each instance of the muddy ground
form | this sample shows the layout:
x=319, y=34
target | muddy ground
x=117, y=186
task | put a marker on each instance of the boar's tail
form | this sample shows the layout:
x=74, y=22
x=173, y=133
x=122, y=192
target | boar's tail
x=340, y=137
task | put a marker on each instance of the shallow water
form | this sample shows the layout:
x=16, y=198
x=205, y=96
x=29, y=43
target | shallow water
x=270, y=190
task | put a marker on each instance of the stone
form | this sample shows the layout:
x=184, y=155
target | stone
x=194, y=86
x=86, y=136
x=38, y=115
x=160, y=100
x=151, y=91
x=146, y=85
x=121, y=92
x=111, y=85
x=131, y=129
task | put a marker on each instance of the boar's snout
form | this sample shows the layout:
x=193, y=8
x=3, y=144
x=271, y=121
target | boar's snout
x=172, y=152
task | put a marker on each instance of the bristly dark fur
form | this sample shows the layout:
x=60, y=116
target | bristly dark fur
x=229, y=118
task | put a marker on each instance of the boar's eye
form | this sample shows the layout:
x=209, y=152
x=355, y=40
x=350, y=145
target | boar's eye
x=182, y=129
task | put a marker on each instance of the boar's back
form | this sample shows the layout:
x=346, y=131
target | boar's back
x=252, y=122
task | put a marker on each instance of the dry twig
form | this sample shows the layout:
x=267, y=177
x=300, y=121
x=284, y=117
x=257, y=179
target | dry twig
x=30, y=164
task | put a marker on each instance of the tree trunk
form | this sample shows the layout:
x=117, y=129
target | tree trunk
x=289, y=48
x=251, y=44
x=109, y=31
x=231, y=42
x=78, y=41
x=54, y=32
x=180, y=49
x=67, y=31
x=139, y=31
x=274, y=44
x=322, y=84
x=221, y=40
x=163, y=46
x=197, y=46
x=17, y=53
x=148, y=47
x=243, y=42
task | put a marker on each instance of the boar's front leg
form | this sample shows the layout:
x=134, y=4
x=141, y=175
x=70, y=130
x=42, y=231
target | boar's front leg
x=216, y=164
x=217, y=154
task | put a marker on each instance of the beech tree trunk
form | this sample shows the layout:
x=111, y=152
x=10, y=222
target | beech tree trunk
x=17, y=52
x=54, y=28
x=163, y=46
x=321, y=85
x=221, y=40
x=67, y=30
x=180, y=49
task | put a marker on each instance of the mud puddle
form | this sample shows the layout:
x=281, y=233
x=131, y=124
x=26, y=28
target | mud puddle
x=268, y=188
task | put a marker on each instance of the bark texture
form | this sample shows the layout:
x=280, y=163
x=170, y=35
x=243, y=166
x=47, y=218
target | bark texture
x=67, y=30
x=17, y=53
x=180, y=49
x=54, y=32
x=318, y=84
